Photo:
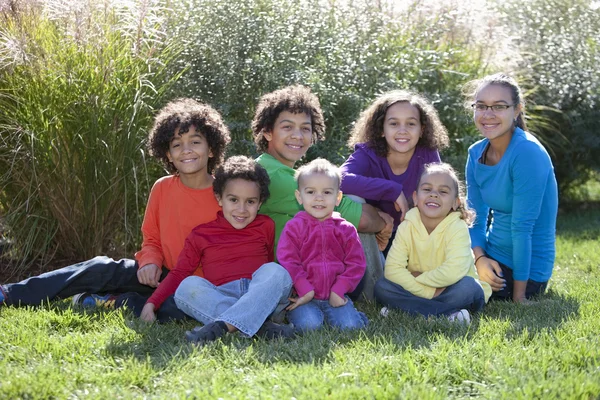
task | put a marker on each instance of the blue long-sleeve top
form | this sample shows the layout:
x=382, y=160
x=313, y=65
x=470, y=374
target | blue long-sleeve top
x=522, y=193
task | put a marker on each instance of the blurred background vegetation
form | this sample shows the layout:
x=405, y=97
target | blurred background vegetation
x=81, y=80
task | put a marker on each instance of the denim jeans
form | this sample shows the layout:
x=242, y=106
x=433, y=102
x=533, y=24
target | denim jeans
x=243, y=303
x=314, y=314
x=98, y=275
x=533, y=287
x=466, y=293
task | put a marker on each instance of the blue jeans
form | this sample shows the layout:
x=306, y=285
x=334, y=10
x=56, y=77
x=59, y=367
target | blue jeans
x=98, y=275
x=533, y=288
x=466, y=293
x=243, y=303
x=314, y=314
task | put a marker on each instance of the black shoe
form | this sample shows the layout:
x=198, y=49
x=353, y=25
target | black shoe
x=271, y=330
x=207, y=333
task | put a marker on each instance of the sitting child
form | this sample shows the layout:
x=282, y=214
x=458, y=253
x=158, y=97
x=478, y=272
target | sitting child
x=242, y=285
x=322, y=253
x=393, y=139
x=429, y=269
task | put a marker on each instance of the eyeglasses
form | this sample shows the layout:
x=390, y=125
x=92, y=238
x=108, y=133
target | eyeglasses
x=496, y=107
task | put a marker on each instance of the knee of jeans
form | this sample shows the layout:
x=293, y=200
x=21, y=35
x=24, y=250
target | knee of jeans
x=347, y=324
x=381, y=289
x=278, y=273
x=190, y=287
x=306, y=321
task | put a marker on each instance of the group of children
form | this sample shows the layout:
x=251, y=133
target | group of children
x=236, y=244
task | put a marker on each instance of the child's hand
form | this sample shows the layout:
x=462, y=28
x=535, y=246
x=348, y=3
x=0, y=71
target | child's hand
x=415, y=273
x=438, y=291
x=148, y=313
x=401, y=205
x=384, y=235
x=149, y=275
x=336, y=301
x=298, y=301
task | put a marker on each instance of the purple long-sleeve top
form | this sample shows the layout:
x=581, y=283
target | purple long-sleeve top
x=370, y=176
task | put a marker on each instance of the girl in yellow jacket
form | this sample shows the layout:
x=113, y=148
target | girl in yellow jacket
x=430, y=268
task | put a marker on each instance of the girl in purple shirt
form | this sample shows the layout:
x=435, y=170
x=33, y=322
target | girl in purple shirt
x=393, y=139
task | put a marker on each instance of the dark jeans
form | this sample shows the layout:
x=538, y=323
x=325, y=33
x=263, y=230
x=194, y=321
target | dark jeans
x=466, y=293
x=534, y=288
x=98, y=275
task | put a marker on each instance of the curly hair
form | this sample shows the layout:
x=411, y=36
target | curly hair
x=242, y=167
x=369, y=127
x=319, y=166
x=470, y=90
x=178, y=116
x=466, y=213
x=295, y=99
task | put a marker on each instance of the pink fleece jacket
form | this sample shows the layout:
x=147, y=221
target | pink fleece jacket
x=324, y=256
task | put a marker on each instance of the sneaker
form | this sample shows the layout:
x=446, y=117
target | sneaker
x=271, y=330
x=461, y=316
x=90, y=300
x=384, y=312
x=207, y=333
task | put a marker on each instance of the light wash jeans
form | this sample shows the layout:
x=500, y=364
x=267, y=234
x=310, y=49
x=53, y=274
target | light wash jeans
x=243, y=303
x=466, y=293
x=314, y=314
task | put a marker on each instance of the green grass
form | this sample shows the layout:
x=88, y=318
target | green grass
x=547, y=350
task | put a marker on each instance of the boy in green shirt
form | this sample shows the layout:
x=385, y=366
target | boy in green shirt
x=286, y=123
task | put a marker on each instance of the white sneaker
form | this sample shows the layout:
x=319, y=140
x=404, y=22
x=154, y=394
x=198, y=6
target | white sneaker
x=384, y=312
x=461, y=316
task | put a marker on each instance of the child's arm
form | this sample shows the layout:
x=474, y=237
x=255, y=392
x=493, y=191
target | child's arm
x=457, y=262
x=186, y=265
x=288, y=255
x=150, y=257
x=354, y=261
x=359, y=180
x=396, y=266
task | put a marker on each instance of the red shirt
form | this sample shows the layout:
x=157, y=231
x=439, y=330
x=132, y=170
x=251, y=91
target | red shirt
x=226, y=254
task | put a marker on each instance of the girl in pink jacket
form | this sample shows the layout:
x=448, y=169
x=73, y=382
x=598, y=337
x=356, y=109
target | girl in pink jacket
x=322, y=253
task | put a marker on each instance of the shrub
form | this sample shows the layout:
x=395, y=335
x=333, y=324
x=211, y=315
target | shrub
x=78, y=85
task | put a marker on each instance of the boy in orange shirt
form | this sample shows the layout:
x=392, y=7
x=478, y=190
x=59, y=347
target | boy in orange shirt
x=189, y=138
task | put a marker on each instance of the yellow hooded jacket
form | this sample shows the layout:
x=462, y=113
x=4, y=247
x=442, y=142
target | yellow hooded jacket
x=443, y=257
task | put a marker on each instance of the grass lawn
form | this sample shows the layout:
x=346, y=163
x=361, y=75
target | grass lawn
x=547, y=350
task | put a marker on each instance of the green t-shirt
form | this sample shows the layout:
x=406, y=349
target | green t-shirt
x=282, y=204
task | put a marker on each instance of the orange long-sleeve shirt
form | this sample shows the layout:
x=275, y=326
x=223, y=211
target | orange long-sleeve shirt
x=173, y=210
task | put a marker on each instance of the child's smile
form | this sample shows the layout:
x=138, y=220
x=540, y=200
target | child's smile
x=435, y=197
x=291, y=137
x=319, y=194
x=189, y=152
x=402, y=127
x=240, y=202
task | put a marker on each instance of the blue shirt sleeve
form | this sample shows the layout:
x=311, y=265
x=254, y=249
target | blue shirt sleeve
x=529, y=168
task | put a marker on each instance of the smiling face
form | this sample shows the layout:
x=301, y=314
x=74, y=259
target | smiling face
x=240, y=202
x=402, y=128
x=495, y=124
x=319, y=194
x=435, y=197
x=291, y=137
x=189, y=153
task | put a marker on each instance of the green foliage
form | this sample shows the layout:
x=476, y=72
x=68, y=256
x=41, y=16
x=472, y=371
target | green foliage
x=559, y=42
x=550, y=349
x=347, y=53
x=77, y=95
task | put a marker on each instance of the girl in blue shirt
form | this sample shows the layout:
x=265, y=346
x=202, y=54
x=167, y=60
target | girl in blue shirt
x=510, y=173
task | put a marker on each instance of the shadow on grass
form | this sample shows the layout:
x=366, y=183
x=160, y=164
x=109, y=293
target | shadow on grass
x=164, y=344
x=549, y=312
